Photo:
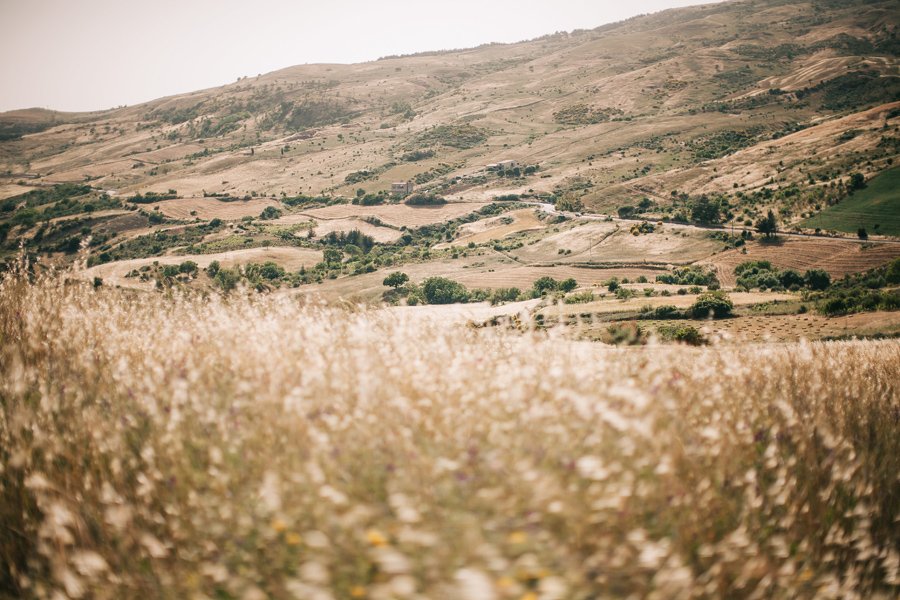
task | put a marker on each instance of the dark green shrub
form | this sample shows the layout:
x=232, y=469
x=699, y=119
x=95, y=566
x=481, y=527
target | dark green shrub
x=790, y=278
x=567, y=285
x=666, y=311
x=188, y=266
x=268, y=270
x=625, y=334
x=424, y=200
x=692, y=275
x=892, y=275
x=269, y=213
x=716, y=304
x=227, y=279
x=501, y=295
x=817, y=279
x=545, y=285
x=440, y=290
x=685, y=334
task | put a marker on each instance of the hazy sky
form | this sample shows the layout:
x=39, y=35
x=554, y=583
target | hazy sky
x=94, y=54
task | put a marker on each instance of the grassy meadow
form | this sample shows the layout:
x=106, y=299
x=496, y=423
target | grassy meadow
x=876, y=208
x=249, y=447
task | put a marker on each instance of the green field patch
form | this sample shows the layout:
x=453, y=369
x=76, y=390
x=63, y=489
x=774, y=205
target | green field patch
x=877, y=204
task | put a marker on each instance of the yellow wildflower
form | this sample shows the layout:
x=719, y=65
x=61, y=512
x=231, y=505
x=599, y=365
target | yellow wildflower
x=292, y=539
x=278, y=525
x=517, y=537
x=376, y=538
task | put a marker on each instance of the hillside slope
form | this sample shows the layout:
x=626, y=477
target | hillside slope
x=746, y=106
x=662, y=98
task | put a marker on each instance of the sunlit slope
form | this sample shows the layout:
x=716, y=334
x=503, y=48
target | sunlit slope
x=655, y=103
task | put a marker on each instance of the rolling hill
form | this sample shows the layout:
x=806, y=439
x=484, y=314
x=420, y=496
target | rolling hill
x=745, y=106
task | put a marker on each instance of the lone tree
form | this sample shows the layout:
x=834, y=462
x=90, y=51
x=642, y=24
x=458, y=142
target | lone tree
x=857, y=181
x=862, y=234
x=396, y=280
x=767, y=225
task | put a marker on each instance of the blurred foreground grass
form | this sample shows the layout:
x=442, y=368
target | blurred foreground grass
x=254, y=447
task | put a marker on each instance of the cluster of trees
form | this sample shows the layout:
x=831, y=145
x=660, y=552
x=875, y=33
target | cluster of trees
x=150, y=197
x=441, y=290
x=364, y=199
x=188, y=267
x=569, y=202
x=691, y=275
x=549, y=285
x=166, y=275
x=681, y=333
x=269, y=213
x=421, y=199
x=260, y=275
x=864, y=292
x=767, y=225
x=302, y=200
x=352, y=242
x=760, y=274
x=714, y=304
x=628, y=211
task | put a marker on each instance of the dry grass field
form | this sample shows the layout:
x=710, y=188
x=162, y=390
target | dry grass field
x=790, y=328
x=496, y=228
x=397, y=215
x=610, y=304
x=382, y=235
x=488, y=270
x=290, y=258
x=524, y=276
x=303, y=434
x=585, y=241
x=8, y=190
x=254, y=446
x=210, y=208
